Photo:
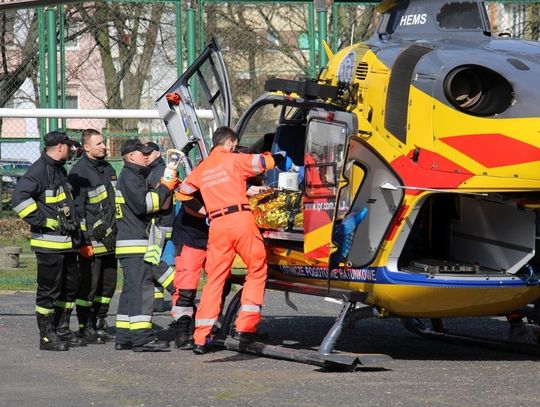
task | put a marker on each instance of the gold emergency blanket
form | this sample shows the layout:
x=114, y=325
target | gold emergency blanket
x=275, y=209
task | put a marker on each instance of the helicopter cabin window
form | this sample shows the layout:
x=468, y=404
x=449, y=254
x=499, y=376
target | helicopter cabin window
x=324, y=157
x=459, y=16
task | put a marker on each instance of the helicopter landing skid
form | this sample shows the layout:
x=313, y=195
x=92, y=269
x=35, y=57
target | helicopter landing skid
x=418, y=327
x=325, y=357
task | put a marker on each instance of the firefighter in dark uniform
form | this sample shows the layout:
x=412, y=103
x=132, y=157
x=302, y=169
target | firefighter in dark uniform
x=93, y=179
x=42, y=197
x=163, y=273
x=136, y=202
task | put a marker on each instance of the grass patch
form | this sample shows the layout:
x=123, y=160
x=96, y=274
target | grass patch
x=22, y=278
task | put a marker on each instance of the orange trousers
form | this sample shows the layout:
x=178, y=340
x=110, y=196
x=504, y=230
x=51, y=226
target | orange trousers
x=188, y=264
x=229, y=235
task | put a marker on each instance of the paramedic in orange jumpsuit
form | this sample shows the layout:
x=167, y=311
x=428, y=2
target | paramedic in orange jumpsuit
x=221, y=179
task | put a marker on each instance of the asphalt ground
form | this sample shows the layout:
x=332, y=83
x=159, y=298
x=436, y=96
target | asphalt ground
x=421, y=373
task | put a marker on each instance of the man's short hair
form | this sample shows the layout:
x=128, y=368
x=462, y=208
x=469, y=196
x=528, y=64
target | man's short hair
x=222, y=134
x=86, y=134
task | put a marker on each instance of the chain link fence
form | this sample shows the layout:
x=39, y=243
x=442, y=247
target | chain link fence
x=124, y=54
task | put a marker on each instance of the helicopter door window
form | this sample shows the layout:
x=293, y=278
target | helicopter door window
x=324, y=157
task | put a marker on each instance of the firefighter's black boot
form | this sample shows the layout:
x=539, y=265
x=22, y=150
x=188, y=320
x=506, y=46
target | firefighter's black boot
x=102, y=330
x=62, y=316
x=48, y=339
x=87, y=330
x=183, y=332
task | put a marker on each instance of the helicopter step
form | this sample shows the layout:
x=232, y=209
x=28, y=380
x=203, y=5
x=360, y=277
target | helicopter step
x=325, y=357
x=438, y=332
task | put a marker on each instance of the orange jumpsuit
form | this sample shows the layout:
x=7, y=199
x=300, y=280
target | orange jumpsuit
x=221, y=178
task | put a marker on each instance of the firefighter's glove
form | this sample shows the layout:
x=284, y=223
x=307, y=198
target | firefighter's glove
x=51, y=223
x=170, y=184
x=86, y=251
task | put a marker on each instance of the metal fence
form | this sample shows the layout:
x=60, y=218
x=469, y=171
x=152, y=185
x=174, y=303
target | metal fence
x=124, y=54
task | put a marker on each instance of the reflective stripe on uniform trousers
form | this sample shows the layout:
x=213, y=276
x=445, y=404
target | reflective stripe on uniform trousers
x=44, y=311
x=97, y=195
x=50, y=241
x=102, y=300
x=51, y=197
x=135, y=246
x=63, y=304
x=205, y=322
x=179, y=312
x=122, y=321
x=83, y=303
x=250, y=308
x=25, y=208
x=140, y=322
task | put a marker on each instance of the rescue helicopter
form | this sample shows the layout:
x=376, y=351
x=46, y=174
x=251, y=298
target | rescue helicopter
x=420, y=152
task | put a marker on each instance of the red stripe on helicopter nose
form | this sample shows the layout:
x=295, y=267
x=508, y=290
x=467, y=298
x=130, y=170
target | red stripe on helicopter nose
x=494, y=150
x=432, y=170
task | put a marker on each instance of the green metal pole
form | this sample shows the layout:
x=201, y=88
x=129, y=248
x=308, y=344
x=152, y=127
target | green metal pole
x=52, y=76
x=335, y=21
x=42, y=71
x=62, y=44
x=322, y=19
x=178, y=17
x=200, y=12
x=311, y=39
x=190, y=34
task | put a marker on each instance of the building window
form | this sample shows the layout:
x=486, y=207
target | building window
x=72, y=102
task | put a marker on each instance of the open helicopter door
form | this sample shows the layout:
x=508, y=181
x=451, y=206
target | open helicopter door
x=204, y=88
x=326, y=140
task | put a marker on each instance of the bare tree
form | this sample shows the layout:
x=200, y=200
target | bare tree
x=18, y=51
x=126, y=37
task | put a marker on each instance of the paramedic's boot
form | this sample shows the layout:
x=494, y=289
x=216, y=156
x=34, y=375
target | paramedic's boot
x=48, y=340
x=102, y=330
x=62, y=316
x=86, y=326
x=183, y=332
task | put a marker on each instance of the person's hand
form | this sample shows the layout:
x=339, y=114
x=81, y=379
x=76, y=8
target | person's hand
x=86, y=251
x=173, y=98
x=51, y=223
x=170, y=184
x=254, y=190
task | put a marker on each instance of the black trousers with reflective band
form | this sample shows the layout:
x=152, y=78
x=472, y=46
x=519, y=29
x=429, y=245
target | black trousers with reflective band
x=136, y=301
x=58, y=278
x=98, y=282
